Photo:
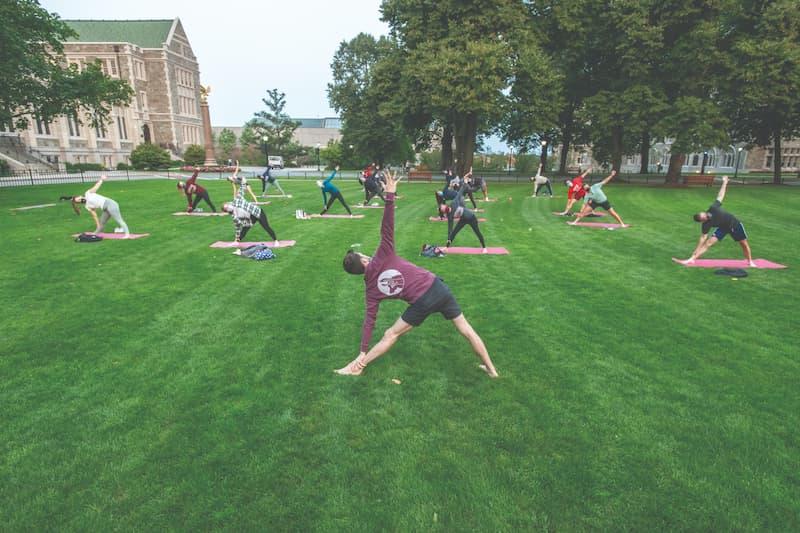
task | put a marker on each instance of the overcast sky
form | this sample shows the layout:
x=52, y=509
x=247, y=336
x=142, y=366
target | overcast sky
x=245, y=47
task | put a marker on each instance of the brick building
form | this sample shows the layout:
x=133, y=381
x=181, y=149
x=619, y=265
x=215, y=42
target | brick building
x=156, y=58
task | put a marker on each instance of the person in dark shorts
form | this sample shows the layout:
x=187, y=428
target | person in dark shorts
x=725, y=222
x=595, y=197
x=191, y=188
x=386, y=275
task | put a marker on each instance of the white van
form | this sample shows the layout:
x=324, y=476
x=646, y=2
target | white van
x=276, y=161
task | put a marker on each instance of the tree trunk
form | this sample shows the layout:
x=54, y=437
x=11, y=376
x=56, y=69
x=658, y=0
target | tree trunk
x=465, y=130
x=644, y=154
x=616, y=148
x=543, y=157
x=776, y=158
x=447, y=147
x=674, y=170
x=566, y=140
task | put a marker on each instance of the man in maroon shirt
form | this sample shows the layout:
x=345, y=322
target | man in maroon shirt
x=386, y=275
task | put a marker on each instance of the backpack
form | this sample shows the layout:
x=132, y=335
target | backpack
x=88, y=237
x=431, y=250
x=259, y=252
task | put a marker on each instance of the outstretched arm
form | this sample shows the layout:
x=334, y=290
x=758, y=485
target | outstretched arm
x=387, y=224
x=252, y=195
x=586, y=172
x=333, y=175
x=610, y=177
x=98, y=184
x=539, y=170
x=94, y=216
x=723, y=189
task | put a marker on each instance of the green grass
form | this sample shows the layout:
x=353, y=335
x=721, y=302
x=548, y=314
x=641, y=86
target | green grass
x=161, y=384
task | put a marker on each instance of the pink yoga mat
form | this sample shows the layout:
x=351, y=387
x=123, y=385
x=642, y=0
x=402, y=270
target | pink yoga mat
x=230, y=244
x=32, y=207
x=275, y=196
x=185, y=214
x=263, y=203
x=368, y=206
x=465, y=250
x=437, y=219
x=316, y=215
x=119, y=236
x=593, y=215
x=598, y=225
x=731, y=263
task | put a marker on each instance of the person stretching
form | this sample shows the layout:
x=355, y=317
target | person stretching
x=386, y=275
x=373, y=186
x=330, y=188
x=477, y=184
x=267, y=180
x=725, y=222
x=244, y=215
x=240, y=185
x=465, y=217
x=574, y=191
x=109, y=207
x=192, y=188
x=540, y=181
x=597, y=198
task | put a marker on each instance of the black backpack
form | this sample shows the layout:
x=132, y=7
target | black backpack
x=88, y=237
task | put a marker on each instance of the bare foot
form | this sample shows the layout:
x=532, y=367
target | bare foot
x=752, y=264
x=492, y=373
x=485, y=251
x=572, y=222
x=354, y=368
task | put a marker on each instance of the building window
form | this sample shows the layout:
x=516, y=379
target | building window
x=769, y=162
x=74, y=127
x=109, y=67
x=100, y=131
x=695, y=160
x=139, y=70
x=121, y=126
x=42, y=126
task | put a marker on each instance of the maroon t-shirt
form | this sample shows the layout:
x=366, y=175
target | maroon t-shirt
x=192, y=187
x=390, y=276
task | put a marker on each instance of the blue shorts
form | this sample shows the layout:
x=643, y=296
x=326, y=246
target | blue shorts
x=737, y=233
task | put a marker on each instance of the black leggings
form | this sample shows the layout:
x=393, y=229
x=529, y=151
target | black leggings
x=369, y=194
x=262, y=219
x=473, y=223
x=202, y=196
x=545, y=184
x=334, y=196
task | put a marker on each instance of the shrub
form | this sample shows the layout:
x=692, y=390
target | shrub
x=149, y=157
x=194, y=155
x=78, y=167
x=5, y=169
x=124, y=166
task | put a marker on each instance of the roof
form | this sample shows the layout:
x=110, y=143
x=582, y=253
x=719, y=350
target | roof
x=145, y=33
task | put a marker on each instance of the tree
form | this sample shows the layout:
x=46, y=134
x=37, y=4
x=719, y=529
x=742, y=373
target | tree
x=194, y=155
x=34, y=79
x=272, y=123
x=226, y=142
x=761, y=58
x=148, y=156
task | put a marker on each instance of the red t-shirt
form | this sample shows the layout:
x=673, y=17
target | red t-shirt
x=192, y=187
x=576, y=190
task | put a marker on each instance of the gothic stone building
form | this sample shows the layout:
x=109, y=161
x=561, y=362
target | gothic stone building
x=155, y=57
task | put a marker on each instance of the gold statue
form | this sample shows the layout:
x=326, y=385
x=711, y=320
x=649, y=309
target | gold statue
x=205, y=90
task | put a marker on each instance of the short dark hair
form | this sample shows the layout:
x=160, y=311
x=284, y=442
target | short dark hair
x=352, y=263
x=697, y=218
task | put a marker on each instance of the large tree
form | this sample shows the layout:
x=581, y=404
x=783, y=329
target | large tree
x=761, y=58
x=34, y=77
x=272, y=123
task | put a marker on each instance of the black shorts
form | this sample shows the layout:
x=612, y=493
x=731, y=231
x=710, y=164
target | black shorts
x=737, y=233
x=605, y=205
x=437, y=299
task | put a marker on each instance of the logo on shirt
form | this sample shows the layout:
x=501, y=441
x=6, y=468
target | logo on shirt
x=391, y=282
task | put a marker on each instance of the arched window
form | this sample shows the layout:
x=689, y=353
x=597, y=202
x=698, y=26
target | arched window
x=695, y=160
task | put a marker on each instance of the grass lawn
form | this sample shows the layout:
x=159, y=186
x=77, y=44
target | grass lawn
x=161, y=384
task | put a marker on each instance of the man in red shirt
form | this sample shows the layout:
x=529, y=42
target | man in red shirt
x=192, y=188
x=575, y=191
x=386, y=275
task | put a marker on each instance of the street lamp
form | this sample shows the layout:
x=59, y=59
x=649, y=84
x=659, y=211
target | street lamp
x=736, y=170
x=318, y=145
x=703, y=166
x=266, y=152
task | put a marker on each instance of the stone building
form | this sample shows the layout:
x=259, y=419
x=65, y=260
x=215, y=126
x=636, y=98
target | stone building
x=156, y=58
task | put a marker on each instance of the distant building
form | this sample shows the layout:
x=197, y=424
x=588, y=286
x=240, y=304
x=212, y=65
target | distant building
x=312, y=131
x=155, y=57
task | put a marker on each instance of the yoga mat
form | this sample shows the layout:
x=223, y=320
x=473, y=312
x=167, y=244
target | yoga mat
x=32, y=207
x=593, y=215
x=731, y=263
x=185, y=214
x=465, y=250
x=368, y=206
x=275, y=196
x=117, y=236
x=489, y=200
x=437, y=219
x=271, y=244
x=598, y=225
x=263, y=203
x=316, y=215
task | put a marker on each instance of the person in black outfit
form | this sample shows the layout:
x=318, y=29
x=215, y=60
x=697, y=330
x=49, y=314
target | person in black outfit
x=725, y=222
x=465, y=217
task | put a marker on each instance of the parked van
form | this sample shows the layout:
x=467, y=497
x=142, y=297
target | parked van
x=276, y=161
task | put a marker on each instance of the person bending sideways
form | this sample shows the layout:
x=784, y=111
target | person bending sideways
x=725, y=222
x=595, y=197
x=386, y=275
x=267, y=180
x=329, y=188
x=575, y=191
x=465, y=217
x=240, y=186
x=244, y=215
x=109, y=208
x=540, y=181
x=191, y=188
